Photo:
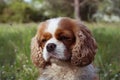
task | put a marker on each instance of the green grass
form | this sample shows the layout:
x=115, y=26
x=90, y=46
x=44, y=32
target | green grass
x=15, y=63
x=108, y=56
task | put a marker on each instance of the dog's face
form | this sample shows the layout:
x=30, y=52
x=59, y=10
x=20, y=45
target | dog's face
x=64, y=39
x=56, y=39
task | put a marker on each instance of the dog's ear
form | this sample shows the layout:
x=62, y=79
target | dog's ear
x=84, y=50
x=36, y=53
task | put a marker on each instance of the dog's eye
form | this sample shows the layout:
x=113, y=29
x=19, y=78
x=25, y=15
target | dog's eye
x=64, y=38
x=43, y=40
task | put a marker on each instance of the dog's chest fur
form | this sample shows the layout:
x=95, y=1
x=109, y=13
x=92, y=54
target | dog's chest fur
x=66, y=72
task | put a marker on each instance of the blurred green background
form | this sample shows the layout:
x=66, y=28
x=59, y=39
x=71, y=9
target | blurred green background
x=18, y=24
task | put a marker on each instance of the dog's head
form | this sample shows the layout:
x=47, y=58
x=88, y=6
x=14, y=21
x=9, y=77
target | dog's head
x=64, y=39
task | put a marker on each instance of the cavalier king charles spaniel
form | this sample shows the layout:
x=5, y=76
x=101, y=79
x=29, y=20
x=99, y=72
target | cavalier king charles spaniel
x=63, y=49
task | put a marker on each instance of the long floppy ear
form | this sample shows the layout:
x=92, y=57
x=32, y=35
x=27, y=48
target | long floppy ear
x=84, y=50
x=36, y=53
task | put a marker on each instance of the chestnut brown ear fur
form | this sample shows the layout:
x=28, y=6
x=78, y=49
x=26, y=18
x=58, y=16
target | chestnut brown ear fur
x=36, y=53
x=85, y=46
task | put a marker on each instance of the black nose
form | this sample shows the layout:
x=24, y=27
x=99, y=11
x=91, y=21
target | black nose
x=51, y=47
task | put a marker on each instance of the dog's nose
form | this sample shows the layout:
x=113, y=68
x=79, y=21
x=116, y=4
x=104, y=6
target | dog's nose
x=51, y=47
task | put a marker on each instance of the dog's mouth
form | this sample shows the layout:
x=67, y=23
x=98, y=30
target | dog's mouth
x=53, y=54
x=56, y=56
x=59, y=62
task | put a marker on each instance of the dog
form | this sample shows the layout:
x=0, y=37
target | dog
x=64, y=49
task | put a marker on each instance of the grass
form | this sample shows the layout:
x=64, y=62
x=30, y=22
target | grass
x=15, y=63
x=108, y=56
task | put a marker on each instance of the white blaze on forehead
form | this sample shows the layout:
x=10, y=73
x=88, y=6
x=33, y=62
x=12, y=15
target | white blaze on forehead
x=53, y=25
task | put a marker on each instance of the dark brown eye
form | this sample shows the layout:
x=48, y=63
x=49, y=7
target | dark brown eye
x=64, y=38
x=43, y=40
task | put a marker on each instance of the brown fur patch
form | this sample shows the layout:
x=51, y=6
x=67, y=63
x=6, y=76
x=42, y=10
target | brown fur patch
x=42, y=35
x=85, y=47
x=65, y=36
x=46, y=36
x=41, y=28
x=36, y=47
x=65, y=29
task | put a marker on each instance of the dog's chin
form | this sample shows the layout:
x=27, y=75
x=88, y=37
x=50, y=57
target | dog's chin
x=56, y=59
x=59, y=62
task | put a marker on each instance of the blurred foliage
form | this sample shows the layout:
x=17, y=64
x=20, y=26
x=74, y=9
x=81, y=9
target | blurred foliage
x=19, y=11
x=66, y=8
x=2, y=6
x=58, y=8
x=110, y=7
x=38, y=10
x=109, y=11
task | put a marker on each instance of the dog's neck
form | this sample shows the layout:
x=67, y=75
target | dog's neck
x=61, y=63
x=63, y=70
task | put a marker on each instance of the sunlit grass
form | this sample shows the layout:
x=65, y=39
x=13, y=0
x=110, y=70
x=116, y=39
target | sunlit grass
x=108, y=56
x=15, y=63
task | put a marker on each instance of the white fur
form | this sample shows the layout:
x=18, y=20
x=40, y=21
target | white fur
x=59, y=51
x=53, y=25
x=67, y=72
x=46, y=56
